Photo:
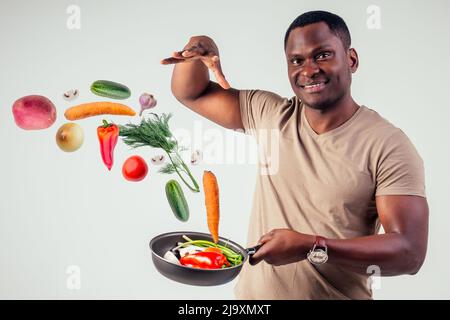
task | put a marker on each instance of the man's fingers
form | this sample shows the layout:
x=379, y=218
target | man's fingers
x=221, y=79
x=177, y=57
x=178, y=54
x=258, y=256
x=172, y=60
x=263, y=250
x=211, y=60
x=217, y=70
x=193, y=51
x=266, y=237
x=184, y=55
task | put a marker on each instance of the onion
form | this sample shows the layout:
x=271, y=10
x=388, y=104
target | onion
x=171, y=257
x=70, y=137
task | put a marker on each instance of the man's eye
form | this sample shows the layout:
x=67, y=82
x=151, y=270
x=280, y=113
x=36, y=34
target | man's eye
x=323, y=55
x=296, y=61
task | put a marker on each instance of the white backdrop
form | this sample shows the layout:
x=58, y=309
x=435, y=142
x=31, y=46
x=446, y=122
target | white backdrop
x=65, y=209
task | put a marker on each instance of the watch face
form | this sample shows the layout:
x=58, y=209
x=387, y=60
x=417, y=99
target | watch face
x=318, y=256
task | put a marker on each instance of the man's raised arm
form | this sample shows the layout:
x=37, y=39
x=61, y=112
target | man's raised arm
x=192, y=86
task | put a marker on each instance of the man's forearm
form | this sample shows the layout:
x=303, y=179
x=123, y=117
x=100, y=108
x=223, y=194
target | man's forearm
x=391, y=252
x=189, y=80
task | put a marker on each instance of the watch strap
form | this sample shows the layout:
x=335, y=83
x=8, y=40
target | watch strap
x=320, y=242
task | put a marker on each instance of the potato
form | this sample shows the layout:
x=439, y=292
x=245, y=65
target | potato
x=34, y=112
x=70, y=137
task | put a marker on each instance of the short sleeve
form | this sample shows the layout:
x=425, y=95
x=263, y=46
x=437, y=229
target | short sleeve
x=257, y=108
x=400, y=169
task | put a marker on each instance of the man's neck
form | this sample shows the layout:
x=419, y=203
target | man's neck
x=322, y=121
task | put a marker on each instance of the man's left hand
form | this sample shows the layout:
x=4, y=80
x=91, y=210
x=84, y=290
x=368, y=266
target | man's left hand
x=283, y=246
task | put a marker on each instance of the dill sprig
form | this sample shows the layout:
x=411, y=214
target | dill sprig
x=155, y=133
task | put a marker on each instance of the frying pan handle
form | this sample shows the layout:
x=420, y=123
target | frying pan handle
x=251, y=251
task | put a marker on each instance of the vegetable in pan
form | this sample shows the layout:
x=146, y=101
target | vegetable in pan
x=205, y=260
x=213, y=256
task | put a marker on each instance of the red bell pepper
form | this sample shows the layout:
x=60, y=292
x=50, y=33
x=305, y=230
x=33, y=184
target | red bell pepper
x=205, y=260
x=108, y=134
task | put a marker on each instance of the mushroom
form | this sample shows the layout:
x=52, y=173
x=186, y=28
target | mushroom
x=157, y=160
x=196, y=157
x=70, y=95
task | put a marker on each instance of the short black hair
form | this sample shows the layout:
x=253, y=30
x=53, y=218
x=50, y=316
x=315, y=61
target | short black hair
x=334, y=22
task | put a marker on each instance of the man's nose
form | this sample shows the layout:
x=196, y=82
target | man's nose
x=309, y=69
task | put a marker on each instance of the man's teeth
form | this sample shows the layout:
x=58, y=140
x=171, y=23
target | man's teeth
x=314, y=85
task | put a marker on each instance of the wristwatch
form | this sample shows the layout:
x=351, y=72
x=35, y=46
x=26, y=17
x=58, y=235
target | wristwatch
x=318, y=254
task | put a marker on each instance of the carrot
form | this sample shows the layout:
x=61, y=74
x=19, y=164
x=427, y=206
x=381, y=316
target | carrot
x=213, y=249
x=211, y=190
x=96, y=108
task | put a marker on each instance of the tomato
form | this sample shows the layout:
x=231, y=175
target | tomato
x=134, y=168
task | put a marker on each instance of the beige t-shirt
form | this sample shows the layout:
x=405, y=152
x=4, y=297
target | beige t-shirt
x=321, y=185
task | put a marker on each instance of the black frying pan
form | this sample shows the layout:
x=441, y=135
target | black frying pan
x=159, y=245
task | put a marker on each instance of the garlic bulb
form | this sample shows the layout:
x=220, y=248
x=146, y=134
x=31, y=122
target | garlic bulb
x=147, y=101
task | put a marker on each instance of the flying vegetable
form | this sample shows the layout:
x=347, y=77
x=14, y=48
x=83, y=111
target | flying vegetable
x=154, y=132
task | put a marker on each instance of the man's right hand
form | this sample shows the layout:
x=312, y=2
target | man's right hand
x=204, y=49
x=191, y=83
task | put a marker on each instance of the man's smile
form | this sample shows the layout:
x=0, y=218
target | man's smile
x=314, y=86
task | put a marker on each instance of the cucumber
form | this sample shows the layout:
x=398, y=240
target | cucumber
x=177, y=201
x=109, y=89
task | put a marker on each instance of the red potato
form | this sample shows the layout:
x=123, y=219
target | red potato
x=34, y=112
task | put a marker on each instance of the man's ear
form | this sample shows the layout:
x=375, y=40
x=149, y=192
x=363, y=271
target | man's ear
x=353, y=60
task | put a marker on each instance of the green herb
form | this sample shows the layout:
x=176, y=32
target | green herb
x=234, y=258
x=155, y=133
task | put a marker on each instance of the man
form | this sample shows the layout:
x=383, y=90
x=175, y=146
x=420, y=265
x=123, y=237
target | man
x=343, y=170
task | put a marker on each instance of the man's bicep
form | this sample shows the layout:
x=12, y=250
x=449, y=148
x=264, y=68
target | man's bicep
x=219, y=105
x=405, y=215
